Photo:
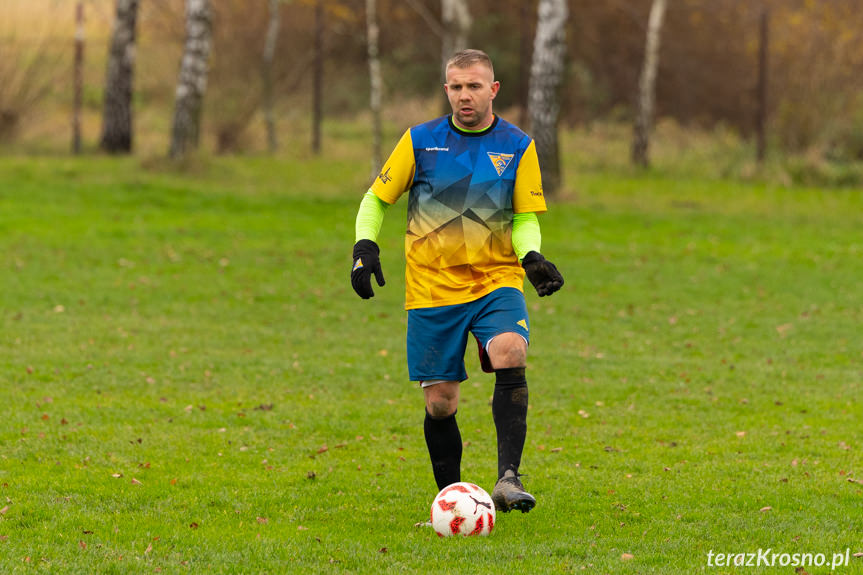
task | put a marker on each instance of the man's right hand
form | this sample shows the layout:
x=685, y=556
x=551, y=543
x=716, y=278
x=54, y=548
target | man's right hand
x=366, y=263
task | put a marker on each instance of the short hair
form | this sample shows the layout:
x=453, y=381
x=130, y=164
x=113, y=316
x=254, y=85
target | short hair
x=467, y=58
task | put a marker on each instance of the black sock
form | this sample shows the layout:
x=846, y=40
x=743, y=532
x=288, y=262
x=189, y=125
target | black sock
x=444, y=443
x=509, y=408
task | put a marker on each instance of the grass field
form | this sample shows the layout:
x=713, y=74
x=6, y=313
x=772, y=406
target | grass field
x=189, y=384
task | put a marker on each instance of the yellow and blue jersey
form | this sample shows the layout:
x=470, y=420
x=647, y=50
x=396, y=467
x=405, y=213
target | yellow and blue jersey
x=464, y=188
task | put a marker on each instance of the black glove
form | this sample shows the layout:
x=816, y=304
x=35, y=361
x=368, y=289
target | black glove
x=542, y=273
x=366, y=263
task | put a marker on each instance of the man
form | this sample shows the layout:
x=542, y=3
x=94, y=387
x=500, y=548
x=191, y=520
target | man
x=475, y=190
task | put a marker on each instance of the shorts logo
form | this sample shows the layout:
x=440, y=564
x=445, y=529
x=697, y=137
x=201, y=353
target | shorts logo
x=358, y=264
x=522, y=323
x=500, y=161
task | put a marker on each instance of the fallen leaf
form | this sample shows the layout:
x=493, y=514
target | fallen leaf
x=148, y=549
x=136, y=482
x=301, y=528
x=262, y=520
x=383, y=550
x=4, y=510
x=4, y=537
x=858, y=555
x=82, y=545
x=193, y=525
x=116, y=475
x=784, y=329
x=740, y=433
x=765, y=509
x=323, y=448
x=627, y=556
x=557, y=449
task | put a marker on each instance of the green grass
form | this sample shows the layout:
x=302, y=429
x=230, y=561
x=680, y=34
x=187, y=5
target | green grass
x=189, y=384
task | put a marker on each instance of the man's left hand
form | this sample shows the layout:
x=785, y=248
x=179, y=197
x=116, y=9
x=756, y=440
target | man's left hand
x=542, y=273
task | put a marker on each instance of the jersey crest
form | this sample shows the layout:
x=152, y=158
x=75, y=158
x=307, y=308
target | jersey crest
x=500, y=161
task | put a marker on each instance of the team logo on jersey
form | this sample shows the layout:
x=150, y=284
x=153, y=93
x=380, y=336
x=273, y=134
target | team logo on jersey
x=385, y=176
x=500, y=161
x=522, y=323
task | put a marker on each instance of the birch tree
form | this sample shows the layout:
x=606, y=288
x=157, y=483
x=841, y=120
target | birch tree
x=117, y=114
x=78, y=78
x=546, y=74
x=456, y=22
x=318, y=78
x=192, y=84
x=376, y=83
x=761, y=118
x=647, y=86
x=269, y=56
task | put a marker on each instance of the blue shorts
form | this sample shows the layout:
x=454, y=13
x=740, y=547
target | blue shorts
x=437, y=336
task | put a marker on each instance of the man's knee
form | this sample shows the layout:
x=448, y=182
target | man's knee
x=508, y=350
x=442, y=399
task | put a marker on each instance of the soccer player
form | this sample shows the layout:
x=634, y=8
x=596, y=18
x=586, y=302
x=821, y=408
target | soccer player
x=472, y=235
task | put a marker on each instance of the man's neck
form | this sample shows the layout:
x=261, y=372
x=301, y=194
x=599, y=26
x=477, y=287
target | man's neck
x=486, y=125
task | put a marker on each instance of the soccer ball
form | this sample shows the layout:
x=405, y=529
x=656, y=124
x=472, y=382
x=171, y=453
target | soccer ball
x=462, y=509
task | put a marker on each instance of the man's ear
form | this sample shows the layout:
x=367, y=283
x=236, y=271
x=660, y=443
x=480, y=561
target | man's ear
x=495, y=86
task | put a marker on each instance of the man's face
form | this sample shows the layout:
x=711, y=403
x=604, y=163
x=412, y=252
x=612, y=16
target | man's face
x=470, y=91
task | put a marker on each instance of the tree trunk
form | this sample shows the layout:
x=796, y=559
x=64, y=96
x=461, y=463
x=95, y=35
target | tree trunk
x=78, y=77
x=647, y=86
x=318, y=78
x=456, y=21
x=117, y=116
x=763, y=61
x=546, y=74
x=192, y=84
x=269, y=55
x=524, y=54
x=376, y=84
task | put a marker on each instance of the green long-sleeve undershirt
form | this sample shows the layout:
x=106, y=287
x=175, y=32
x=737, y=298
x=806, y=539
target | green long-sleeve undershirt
x=526, y=235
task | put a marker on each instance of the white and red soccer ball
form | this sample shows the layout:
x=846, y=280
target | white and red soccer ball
x=462, y=509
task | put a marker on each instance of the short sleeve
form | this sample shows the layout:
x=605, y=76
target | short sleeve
x=397, y=174
x=527, y=195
